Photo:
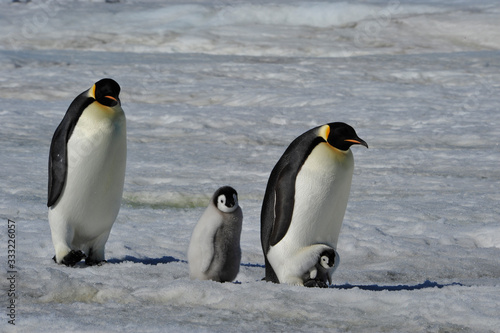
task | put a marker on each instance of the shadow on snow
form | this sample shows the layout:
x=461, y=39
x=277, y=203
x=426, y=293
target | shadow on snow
x=146, y=261
x=374, y=287
x=162, y=260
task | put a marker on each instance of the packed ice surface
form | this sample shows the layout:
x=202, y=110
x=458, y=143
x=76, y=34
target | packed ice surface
x=214, y=92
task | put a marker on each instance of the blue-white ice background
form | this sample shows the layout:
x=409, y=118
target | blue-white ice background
x=214, y=91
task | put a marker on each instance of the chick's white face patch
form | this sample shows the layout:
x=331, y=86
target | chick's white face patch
x=224, y=206
x=325, y=262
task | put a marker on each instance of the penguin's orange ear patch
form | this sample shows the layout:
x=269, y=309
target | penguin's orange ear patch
x=324, y=132
x=92, y=92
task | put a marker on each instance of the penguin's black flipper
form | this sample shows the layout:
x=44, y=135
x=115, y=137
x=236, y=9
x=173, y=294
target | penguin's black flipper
x=283, y=206
x=58, y=159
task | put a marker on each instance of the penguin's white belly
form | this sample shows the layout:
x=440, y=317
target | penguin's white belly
x=96, y=153
x=321, y=192
x=201, y=246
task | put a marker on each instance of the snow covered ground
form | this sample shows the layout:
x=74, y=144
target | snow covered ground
x=214, y=91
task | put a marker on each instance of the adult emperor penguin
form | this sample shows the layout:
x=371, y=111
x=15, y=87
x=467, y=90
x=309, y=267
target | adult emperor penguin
x=305, y=201
x=86, y=174
x=214, y=250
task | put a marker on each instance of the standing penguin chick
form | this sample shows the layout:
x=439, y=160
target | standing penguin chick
x=86, y=174
x=214, y=250
x=305, y=200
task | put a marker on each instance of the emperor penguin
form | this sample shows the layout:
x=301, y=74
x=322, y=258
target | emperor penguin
x=214, y=250
x=86, y=174
x=305, y=201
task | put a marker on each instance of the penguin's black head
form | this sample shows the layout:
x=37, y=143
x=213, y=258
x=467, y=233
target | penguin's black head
x=343, y=136
x=106, y=92
x=226, y=199
x=327, y=258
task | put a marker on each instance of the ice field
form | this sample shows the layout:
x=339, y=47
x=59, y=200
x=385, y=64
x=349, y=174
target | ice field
x=214, y=92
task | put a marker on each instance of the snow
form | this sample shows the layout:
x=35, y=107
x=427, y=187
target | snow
x=214, y=91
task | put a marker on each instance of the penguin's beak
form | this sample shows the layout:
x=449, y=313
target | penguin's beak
x=114, y=101
x=358, y=141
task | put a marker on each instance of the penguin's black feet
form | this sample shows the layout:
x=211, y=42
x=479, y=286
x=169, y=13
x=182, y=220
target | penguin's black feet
x=72, y=258
x=93, y=262
x=310, y=283
x=322, y=284
x=315, y=284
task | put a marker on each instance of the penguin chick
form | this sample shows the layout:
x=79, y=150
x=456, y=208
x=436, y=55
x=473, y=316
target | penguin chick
x=296, y=270
x=214, y=250
x=320, y=274
x=86, y=174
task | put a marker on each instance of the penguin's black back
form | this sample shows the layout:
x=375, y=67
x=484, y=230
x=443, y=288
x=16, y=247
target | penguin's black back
x=58, y=157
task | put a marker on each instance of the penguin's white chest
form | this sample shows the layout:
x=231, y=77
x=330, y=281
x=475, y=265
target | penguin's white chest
x=321, y=192
x=96, y=154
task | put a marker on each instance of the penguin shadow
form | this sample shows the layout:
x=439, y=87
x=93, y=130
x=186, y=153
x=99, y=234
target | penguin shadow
x=253, y=265
x=375, y=287
x=146, y=261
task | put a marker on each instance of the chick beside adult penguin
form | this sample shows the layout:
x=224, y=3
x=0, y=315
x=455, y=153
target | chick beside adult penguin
x=86, y=174
x=305, y=201
x=214, y=250
x=320, y=275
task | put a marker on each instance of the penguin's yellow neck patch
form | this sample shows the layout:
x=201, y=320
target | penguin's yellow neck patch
x=92, y=92
x=99, y=112
x=324, y=132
